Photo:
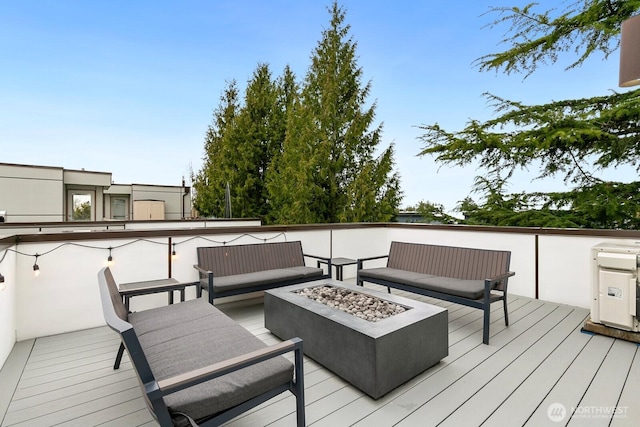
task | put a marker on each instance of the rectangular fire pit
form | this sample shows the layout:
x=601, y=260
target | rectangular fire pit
x=377, y=356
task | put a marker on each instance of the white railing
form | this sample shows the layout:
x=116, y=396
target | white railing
x=64, y=297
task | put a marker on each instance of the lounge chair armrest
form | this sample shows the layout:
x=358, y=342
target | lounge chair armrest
x=197, y=376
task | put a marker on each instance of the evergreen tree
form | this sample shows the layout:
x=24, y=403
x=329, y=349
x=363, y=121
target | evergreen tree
x=257, y=136
x=240, y=146
x=327, y=171
x=210, y=182
x=571, y=138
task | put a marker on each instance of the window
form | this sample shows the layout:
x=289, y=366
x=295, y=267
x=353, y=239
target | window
x=119, y=208
x=80, y=206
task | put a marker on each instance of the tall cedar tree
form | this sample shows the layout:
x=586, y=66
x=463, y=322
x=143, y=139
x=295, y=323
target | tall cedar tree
x=258, y=136
x=327, y=171
x=240, y=146
x=210, y=182
x=570, y=138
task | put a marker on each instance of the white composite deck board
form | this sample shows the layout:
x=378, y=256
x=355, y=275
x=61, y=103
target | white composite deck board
x=524, y=399
x=501, y=381
x=572, y=384
x=541, y=358
x=599, y=401
x=11, y=372
x=481, y=367
x=459, y=362
x=629, y=397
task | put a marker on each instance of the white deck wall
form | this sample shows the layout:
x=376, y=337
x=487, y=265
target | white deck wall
x=64, y=297
x=8, y=305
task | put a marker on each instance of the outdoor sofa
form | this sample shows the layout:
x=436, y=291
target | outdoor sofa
x=239, y=269
x=472, y=277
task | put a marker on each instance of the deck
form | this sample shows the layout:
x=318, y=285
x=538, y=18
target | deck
x=541, y=361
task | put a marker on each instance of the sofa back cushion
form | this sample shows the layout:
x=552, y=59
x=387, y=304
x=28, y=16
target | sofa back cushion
x=240, y=259
x=447, y=261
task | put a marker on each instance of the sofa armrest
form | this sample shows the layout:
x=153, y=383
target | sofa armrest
x=491, y=282
x=209, y=275
x=321, y=259
x=360, y=261
x=202, y=270
x=197, y=376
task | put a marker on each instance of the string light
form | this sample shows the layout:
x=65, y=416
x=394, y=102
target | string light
x=174, y=255
x=1, y=282
x=36, y=267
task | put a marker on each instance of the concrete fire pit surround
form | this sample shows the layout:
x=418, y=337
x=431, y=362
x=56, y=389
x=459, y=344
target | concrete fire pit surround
x=375, y=357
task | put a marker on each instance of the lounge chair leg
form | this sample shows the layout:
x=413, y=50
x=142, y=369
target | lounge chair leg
x=299, y=374
x=116, y=365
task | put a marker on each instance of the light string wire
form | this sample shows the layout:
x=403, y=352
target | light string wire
x=111, y=248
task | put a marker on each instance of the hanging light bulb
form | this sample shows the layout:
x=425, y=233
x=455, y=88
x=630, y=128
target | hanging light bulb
x=36, y=267
x=109, y=258
x=173, y=252
x=2, y=285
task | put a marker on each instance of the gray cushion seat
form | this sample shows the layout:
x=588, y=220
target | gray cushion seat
x=472, y=289
x=173, y=338
x=264, y=277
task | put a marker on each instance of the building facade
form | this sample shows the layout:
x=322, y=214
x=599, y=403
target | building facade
x=53, y=194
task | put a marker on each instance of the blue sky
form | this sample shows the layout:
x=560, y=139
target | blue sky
x=129, y=87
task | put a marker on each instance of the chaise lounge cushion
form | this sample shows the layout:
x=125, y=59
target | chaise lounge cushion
x=472, y=289
x=172, y=338
x=259, y=278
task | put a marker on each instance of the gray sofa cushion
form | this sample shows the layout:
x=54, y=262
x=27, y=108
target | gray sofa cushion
x=193, y=334
x=393, y=275
x=266, y=277
x=472, y=289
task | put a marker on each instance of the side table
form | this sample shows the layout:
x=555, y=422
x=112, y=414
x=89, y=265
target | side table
x=339, y=263
x=128, y=290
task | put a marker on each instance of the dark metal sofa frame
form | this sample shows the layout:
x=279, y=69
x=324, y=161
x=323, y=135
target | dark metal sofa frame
x=221, y=261
x=453, y=262
x=154, y=390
